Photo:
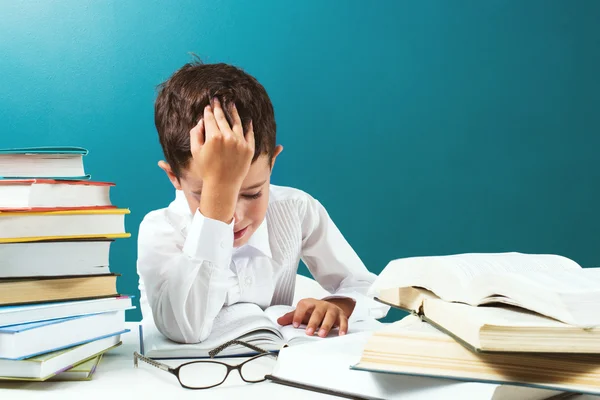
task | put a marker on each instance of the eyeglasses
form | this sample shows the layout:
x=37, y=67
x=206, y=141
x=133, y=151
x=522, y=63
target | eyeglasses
x=205, y=374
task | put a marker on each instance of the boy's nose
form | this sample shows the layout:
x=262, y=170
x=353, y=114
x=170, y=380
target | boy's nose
x=237, y=214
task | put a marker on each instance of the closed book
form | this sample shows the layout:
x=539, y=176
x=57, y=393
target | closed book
x=54, y=258
x=62, y=224
x=28, y=340
x=15, y=315
x=37, y=290
x=48, y=365
x=43, y=162
x=80, y=372
x=415, y=348
x=40, y=194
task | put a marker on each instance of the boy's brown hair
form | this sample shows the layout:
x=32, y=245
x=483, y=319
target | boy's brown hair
x=181, y=100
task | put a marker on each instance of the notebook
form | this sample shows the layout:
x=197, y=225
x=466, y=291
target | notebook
x=43, y=162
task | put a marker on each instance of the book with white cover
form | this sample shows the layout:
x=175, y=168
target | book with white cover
x=54, y=258
x=325, y=367
x=38, y=194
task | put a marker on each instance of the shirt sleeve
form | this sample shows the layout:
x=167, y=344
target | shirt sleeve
x=335, y=264
x=186, y=279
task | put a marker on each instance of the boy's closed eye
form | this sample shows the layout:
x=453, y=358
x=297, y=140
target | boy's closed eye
x=249, y=196
x=252, y=196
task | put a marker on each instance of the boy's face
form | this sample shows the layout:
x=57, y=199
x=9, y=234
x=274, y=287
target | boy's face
x=253, y=197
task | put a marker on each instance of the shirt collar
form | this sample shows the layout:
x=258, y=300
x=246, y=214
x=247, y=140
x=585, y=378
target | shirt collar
x=259, y=240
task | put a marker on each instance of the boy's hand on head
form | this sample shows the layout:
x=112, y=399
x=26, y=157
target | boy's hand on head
x=320, y=314
x=221, y=155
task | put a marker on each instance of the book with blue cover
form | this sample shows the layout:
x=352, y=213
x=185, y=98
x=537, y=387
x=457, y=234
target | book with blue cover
x=52, y=162
x=22, y=314
x=28, y=340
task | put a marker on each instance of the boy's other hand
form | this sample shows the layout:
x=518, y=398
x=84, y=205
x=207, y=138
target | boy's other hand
x=320, y=314
x=221, y=157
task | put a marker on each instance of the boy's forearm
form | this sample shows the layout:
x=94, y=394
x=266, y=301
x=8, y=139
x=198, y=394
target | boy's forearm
x=218, y=201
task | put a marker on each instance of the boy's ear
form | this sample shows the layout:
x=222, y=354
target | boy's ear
x=277, y=152
x=172, y=177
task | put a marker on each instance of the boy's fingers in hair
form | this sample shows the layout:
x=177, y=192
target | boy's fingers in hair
x=197, y=137
x=237, y=127
x=210, y=125
x=343, y=324
x=250, y=135
x=331, y=318
x=220, y=118
x=315, y=320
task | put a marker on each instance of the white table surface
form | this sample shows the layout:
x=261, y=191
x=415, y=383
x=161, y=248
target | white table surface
x=116, y=378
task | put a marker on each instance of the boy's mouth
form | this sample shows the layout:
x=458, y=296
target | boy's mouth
x=238, y=234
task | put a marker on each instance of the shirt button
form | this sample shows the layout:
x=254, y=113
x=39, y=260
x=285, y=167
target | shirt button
x=223, y=245
x=248, y=281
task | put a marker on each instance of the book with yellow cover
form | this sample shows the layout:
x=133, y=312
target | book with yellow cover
x=49, y=365
x=20, y=226
x=80, y=372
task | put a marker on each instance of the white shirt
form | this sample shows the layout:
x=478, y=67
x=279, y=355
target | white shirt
x=189, y=269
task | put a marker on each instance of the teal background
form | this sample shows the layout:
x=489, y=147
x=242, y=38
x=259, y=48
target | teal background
x=428, y=127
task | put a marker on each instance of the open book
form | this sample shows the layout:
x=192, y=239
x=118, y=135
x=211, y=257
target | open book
x=413, y=347
x=242, y=321
x=549, y=302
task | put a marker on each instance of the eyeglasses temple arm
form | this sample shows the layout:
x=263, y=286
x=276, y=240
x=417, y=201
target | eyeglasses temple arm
x=222, y=347
x=137, y=356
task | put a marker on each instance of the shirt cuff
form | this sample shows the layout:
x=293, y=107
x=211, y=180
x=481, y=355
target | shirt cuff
x=210, y=240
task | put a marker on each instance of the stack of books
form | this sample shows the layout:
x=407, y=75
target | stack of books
x=59, y=305
x=527, y=320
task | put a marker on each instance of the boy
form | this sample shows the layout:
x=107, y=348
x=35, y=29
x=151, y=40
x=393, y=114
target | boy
x=229, y=236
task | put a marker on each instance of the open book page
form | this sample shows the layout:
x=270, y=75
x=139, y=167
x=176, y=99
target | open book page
x=288, y=332
x=298, y=335
x=449, y=276
x=242, y=320
x=571, y=296
x=510, y=329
